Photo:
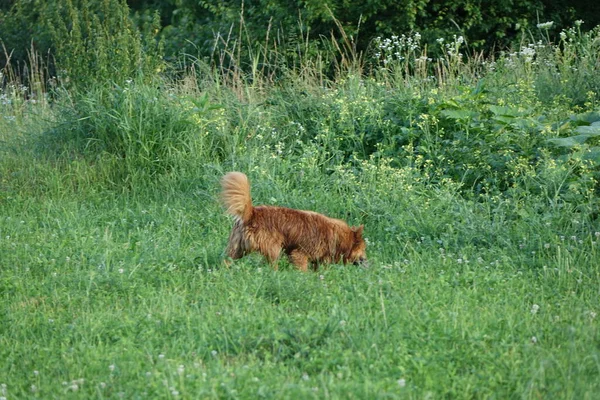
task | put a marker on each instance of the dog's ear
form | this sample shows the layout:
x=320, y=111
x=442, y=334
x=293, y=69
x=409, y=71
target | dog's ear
x=358, y=231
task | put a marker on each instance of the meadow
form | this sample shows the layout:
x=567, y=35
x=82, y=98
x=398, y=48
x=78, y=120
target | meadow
x=476, y=180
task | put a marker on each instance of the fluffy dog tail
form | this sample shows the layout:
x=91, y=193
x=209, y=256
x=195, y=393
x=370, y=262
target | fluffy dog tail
x=235, y=194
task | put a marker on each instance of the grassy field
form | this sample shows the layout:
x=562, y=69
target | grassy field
x=477, y=186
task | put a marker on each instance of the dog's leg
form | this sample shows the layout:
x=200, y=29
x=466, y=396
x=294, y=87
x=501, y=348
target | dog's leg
x=272, y=255
x=299, y=259
x=237, y=246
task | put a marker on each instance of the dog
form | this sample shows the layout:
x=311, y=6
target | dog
x=304, y=236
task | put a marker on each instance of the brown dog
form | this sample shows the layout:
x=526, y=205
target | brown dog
x=305, y=236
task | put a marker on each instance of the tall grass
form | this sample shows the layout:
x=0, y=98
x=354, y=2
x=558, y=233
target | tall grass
x=476, y=181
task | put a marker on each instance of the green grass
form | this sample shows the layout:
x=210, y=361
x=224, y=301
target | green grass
x=483, y=240
x=136, y=284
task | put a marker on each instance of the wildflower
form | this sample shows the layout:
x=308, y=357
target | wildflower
x=102, y=385
x=545, y=25
x=214, y=353
x=305, y=377
x=563, y=35
x=533, y=340
x=111, y=367
x=121, y=270
x=578, y=22
x=401, y=382
x=535, y=308
x=161, y=356
x=181, y=369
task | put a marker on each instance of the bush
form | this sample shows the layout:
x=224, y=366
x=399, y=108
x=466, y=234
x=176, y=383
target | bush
x=99, y=43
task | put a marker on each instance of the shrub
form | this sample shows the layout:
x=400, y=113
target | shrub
x=99, y=43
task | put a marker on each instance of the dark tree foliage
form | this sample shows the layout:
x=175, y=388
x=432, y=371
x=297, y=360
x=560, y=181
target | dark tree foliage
x=191, y=26
x=488, y=25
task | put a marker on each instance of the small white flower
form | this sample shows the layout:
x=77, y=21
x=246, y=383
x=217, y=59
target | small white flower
x=111, y=367
x=214, y=353
x=121, y=270
x=535, y=308
x=578, y=22
x=402, y=382
x=545, y=25
x=102, y=385
x=533, y=340
x=305, y=377
x=161, y=356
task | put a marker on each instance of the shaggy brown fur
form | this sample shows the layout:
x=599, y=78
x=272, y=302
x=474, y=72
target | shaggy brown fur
x=305, y=236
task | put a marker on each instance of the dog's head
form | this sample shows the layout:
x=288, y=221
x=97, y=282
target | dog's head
x=358, y=254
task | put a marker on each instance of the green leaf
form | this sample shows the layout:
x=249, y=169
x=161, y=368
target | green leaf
x=585, y=132
x=590, y=130
x=569, y=142
x=459, y=114
x=505, y=111
x=586, y=118
x=593, y=155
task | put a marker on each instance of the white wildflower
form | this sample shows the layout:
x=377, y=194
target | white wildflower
x=535, y=308
x=545, y=25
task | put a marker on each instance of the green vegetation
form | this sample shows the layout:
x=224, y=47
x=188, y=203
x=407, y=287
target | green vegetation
x=476, y=179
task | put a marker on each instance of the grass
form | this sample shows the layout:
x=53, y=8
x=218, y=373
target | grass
x=483, y=239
